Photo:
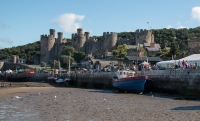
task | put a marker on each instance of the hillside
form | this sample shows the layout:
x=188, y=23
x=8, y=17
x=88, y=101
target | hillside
x=162, y=36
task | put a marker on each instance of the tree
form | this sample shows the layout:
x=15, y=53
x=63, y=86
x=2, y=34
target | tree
x=54, y=64
x=64, y=60
x=183, y=53
x=43, y=64
x=174, y=49
x=66, y=50
x=121, y=51
x=78, y=56
x=141, y=49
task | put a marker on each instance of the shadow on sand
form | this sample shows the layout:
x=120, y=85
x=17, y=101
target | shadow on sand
x=187, y=108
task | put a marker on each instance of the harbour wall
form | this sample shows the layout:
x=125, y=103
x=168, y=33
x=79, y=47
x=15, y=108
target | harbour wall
x=175, y=81
x=102, y=80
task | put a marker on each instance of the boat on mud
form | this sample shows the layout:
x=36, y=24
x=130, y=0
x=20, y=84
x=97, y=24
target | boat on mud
x=128, y=80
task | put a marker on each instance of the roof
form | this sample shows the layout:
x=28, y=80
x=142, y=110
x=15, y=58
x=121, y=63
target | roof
x=191, y=57
x=134, y=58
x=152, y=49
x=132, y=46
x=155, y=45
x=194, y=57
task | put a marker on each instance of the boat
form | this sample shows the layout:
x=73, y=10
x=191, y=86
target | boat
x=128, y=80
x=67, y=79
x=51, y=78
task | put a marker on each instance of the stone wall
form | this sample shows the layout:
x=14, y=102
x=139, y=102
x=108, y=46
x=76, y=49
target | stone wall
x=182, y=81
x=101, y=80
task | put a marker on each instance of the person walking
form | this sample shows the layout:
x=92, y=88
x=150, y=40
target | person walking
x=196, y=64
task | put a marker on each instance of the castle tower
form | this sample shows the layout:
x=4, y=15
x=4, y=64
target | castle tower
x=144, y=36
x=110, y=40
x=81, y=39
x=60, y=37
x=87, y=36
x=14, y=59
x=52, y=32
x=113, y=40
x=46, y=45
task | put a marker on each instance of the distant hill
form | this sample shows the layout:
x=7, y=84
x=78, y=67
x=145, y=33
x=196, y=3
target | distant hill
x=25, y=51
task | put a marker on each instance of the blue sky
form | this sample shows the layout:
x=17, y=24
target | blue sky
x=23, y=21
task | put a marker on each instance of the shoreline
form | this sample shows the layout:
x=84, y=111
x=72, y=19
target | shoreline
x=12, y=91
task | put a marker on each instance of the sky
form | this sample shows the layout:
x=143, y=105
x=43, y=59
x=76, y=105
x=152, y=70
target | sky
x=24, y=21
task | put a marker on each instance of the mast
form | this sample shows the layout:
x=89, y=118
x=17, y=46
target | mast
x=137, y=58
x=53, y=67
x=59, y=68
x=69, y=63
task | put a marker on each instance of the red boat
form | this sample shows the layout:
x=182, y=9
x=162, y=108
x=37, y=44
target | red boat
x=51, y=78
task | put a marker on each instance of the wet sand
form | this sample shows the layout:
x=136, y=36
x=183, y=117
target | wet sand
x=75, y=104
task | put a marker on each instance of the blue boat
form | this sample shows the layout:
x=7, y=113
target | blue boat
x=129, y=81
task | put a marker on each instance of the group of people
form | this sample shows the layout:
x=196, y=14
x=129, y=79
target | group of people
x=186, y=64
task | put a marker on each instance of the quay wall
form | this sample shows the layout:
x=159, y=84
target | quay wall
x=175, y=81
x=102, y=80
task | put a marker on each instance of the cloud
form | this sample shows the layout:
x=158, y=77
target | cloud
x=6, y=40
x=1, y=47
x=180, y=26
x=69, y=22
x=169, y=27
x=196, y=13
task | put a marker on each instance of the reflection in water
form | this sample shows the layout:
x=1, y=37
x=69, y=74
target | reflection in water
x=15, y=110
x=35, y=107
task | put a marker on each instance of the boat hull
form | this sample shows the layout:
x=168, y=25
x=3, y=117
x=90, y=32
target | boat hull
x=130, y=83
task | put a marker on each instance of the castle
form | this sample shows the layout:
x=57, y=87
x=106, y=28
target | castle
x=51, y=47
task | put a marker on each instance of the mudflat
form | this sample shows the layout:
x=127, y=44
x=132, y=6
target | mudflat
x=76, y=104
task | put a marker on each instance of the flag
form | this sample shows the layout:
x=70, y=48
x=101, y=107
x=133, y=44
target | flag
x=147, y=59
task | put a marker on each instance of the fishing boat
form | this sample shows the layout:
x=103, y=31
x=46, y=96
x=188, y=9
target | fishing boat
x=128, y=80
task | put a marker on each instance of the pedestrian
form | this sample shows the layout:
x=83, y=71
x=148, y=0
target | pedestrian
x=196, y=64
x=186, y=64
x=183, y=64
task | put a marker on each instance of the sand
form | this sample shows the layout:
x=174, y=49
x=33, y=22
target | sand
x=75, y=104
